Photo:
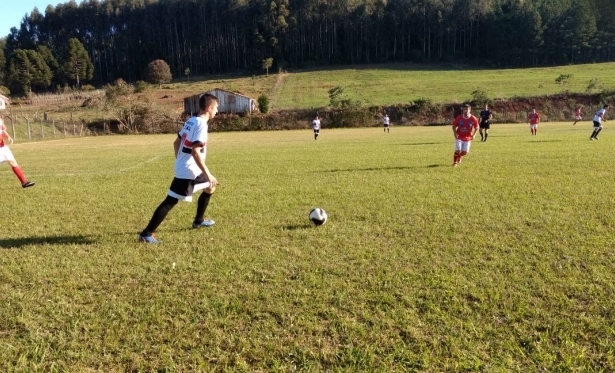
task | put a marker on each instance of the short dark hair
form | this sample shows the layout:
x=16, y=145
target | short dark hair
x=207, y=100
x=465, y=106
x=606, y=106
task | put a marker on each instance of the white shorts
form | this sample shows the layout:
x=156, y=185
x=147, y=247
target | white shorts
x=6, y=155
x=463, y=146
x=578, y=117
x=533, y=126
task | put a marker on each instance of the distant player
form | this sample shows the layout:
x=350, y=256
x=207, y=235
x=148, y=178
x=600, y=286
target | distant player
x=533, y=118
x=191, y=173
x=598, y=119
x=485, y=122
x=316, y=127
x=386, y=122
x=7, y=156
x=464, y=129
x=577, y=115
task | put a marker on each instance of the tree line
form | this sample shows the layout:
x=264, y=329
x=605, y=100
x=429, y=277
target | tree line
x=198, y=37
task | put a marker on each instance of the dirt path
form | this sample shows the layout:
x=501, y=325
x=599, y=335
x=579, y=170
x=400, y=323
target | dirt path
x=273, y=94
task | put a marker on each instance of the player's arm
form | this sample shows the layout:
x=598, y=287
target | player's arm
x=474, y=127
x=5, y=135
x=176, y=145
x=196, y=154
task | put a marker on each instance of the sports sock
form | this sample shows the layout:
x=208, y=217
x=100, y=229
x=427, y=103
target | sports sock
x=594, y=134
x=201, y=206
x=482, y=137
x=161, y=212
x=19, y=173
x=486, y=136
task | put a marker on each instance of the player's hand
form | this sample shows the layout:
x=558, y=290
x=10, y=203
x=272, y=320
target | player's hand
x=212, y=181
x=10, y=140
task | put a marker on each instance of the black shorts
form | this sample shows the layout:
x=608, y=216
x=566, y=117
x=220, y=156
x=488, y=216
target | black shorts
x=485, y=125
x=597, y=124
x=316, y=132
x=183, y=189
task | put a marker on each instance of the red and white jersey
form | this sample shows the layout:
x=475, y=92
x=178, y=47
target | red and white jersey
x=316, y=124
x=193, y=133
x=534, y=118
x=464, y=127
x=577, y=112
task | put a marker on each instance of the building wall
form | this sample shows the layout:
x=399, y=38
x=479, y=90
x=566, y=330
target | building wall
x=229, y=102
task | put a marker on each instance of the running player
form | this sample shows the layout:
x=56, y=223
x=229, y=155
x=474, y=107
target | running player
x=485, y=123
x=533, y=119
x=464, y=129
x=386, y=122
x=191, y=173
x=598, y=119
x=7, y=156
x=316, y=127
x=577, y=115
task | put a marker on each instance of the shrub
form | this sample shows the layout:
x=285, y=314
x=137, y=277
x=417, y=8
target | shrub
x=141, y=86
x=263, y=104
x=4, y=90
x=87, y=87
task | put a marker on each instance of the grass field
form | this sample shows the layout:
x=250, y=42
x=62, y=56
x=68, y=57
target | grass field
x=505, y=263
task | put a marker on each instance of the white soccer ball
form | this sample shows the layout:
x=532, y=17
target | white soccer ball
x=318, y=216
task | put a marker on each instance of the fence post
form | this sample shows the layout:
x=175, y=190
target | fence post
x=53, y=125
x=82, y=124
x=73, y=122
x=64, y=127
x=13, y=127
x=28, y=124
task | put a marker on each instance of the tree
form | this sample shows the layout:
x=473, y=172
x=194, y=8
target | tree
x=27, y=68
x=159, y=72
x=267, y=63
x=263, y=103
x=77, y=64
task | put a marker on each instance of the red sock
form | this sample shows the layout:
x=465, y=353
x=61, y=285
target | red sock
x=456, y=158
x=19, y=173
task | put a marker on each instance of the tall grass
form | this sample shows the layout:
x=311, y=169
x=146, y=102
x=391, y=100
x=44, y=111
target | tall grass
x=502, y=264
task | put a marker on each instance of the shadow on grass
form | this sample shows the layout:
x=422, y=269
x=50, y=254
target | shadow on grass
x=370, y=169
x=12, y=243
x=544, y=141
x=294, y=227
x=424, y=143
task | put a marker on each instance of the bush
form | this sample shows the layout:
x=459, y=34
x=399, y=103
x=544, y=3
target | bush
x=4, y=90
x=87, y=87
x=141, y=86
x=479, y=98
x=263, y=104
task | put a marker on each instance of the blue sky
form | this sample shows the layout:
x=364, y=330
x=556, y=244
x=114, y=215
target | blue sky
x=11, y=15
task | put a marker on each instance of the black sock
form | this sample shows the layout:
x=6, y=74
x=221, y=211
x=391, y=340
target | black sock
x=597, y=132
x=159, y=215
x=486, y=136
x=594, y=134
x=201, y=206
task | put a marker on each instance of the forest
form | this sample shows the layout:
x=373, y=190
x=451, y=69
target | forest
x=200, y=37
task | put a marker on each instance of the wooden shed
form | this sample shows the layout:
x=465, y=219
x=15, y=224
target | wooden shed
x=229, y=102
x=4, y=102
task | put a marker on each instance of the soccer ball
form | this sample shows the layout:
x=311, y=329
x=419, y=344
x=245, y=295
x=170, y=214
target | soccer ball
x=318, y=216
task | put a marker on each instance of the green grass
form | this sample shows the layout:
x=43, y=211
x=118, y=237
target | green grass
x=502, y=264
x=396, y=84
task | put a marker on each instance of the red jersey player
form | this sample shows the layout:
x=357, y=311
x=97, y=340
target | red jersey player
x=533, y=118
x=464, y=128
x=577, y=115
x=7, y=156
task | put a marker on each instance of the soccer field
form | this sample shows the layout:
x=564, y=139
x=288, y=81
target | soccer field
x=505, y=263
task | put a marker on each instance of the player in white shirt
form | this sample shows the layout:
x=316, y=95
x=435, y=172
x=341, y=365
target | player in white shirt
x=598, y=119
x=316, y=127
x=191, y=173
x=386, y=122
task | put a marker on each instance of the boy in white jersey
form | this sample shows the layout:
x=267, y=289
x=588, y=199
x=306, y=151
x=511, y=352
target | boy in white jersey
x=316, y=127
x=385, y=122
x=598, y=119
x=7, y=156
x=191, y=173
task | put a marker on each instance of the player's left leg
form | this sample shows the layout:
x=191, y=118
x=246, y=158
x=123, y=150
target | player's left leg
x=7, y=156
x=202, y=183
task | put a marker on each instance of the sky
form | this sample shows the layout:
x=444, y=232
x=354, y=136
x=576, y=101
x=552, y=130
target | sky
x=11, y=15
